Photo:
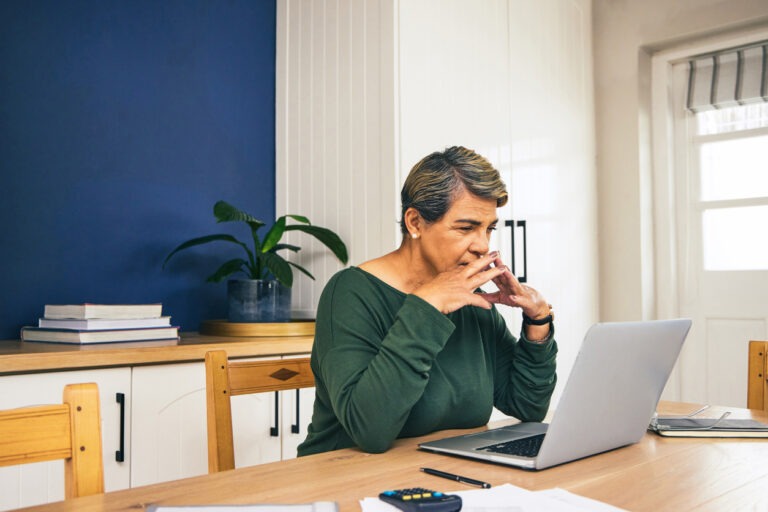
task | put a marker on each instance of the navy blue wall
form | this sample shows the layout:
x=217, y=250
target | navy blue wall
x=121, y=124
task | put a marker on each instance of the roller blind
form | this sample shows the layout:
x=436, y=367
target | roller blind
x=728, y=78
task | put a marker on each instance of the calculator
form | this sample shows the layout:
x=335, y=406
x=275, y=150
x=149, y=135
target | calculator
x=418, y=499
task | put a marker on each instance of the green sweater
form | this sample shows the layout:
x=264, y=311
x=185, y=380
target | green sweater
x=390, y=365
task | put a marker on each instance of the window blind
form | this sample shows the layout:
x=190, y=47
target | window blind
x=728, y=78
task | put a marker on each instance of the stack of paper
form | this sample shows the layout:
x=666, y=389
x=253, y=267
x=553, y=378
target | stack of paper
x=510, y=498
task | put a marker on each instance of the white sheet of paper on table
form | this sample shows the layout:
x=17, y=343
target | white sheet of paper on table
x=510, y=498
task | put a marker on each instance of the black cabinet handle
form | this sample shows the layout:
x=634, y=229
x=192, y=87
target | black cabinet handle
x=522, y=224
x=120, y=454
x=295, y=426
x=273, y=431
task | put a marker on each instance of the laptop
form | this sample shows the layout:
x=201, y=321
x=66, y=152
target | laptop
x=608, y=401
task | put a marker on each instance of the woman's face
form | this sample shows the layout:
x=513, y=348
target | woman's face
x=461, y=236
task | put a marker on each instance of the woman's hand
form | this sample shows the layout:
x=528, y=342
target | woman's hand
x=454, y=289
x=517, y=295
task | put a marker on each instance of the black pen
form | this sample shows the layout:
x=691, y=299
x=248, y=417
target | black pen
x=458, y=478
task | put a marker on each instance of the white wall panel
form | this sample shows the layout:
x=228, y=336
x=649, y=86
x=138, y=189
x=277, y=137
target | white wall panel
x=453, y=78
x=335, y=131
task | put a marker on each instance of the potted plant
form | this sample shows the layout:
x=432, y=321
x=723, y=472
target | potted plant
x=265, y=294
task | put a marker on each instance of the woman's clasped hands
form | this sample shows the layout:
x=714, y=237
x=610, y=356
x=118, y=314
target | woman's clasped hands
x=456, y=288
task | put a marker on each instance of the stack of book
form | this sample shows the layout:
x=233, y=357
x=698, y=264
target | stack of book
x=101, y=323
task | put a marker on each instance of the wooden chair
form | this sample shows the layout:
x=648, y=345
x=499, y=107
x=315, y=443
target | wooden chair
x=70, y=431
x=757, y=383
x=224, y=379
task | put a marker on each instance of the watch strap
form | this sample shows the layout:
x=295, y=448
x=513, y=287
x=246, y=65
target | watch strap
x=537, y=321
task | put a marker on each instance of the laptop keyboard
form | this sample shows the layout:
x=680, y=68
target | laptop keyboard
x=525, y=447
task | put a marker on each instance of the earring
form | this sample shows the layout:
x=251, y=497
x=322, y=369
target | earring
x=414, y=235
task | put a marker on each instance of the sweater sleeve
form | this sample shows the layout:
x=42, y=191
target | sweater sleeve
x=524, y=374
x=376, y=369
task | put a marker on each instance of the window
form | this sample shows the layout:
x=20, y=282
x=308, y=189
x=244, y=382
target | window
x=731, y=148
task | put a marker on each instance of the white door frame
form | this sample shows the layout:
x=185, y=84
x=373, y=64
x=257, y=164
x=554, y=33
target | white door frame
x=668, y=274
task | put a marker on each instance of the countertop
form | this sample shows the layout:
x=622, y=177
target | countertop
x=27, y=357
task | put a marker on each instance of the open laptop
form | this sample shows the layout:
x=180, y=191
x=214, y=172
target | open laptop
x=608, y=401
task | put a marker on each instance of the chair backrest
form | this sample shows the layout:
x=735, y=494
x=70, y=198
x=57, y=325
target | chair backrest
x=224, y=379
x=70, y=431
x=757, y=382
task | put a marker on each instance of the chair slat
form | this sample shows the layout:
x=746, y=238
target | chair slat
x=261, y=376
x=34, y=434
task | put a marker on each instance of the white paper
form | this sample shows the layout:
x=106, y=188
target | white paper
x=510, y=498
x=580, y=501
x=318, y=506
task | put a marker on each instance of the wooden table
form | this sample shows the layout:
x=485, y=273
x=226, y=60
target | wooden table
x=655, y=474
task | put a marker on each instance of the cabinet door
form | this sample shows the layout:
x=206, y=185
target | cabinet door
x=257, y=425
x=168, y=423
x=296, y=414
x=43, y=482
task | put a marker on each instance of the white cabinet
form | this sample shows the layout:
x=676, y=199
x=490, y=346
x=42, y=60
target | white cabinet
x=164, y=429
x=520, y=93
x=169, y=424
x=42, y=482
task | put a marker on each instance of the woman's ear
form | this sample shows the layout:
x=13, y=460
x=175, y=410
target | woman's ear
x=413, y=222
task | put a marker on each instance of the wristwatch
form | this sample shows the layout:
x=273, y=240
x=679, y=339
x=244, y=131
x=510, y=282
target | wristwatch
x=539, y=321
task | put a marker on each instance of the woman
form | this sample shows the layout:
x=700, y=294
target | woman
x=406, y=344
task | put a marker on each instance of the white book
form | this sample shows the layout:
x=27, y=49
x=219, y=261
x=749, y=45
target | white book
x=87, y=310
x=95, y=324
x=103, y=336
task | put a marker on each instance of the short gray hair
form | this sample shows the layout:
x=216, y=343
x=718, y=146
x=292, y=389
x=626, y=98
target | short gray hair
x=437, y=179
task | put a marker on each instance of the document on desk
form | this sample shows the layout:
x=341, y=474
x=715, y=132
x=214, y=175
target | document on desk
x=510, y=498
x=318, y=506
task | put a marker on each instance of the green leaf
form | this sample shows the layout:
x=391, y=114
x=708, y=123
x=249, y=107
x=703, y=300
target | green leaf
x=204, y=240
x=299, y=218
x=325, y=236
x=279, y=268
x=302, y=269
x=274, y=235
x=225, y=212
x=227, y=269
x=293, y=248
